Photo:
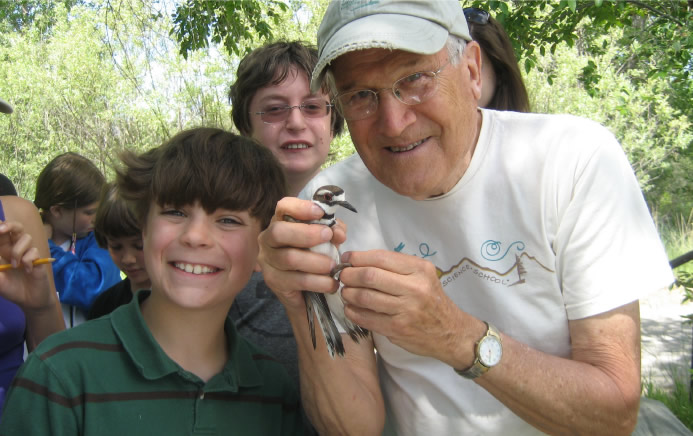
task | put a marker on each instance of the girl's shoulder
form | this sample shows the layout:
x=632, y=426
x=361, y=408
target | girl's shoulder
x=17, y=208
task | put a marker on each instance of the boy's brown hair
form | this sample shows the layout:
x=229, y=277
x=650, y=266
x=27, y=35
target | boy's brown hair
x=207, y=165
x=114, y=219
x=269, y=65
x=70, y=180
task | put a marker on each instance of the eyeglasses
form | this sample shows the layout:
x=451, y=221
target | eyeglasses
x=411, y=90
x=277, y=113
x=476, y=15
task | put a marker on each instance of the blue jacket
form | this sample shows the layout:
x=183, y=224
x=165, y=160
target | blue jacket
x=82, y=276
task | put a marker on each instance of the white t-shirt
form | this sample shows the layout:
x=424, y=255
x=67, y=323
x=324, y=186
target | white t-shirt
x=548, y=224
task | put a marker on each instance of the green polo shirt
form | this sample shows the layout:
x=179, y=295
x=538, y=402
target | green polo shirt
x=110, y=377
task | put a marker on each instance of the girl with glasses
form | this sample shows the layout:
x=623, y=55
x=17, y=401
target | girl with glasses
x=272, y=103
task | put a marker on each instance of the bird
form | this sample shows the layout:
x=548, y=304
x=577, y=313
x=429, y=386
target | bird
x=329, y=307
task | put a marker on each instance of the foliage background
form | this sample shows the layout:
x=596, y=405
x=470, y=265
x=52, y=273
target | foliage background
x=98, y=76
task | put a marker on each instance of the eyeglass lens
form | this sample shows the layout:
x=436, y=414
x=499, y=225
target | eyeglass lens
x=410, y=90
x=476, y=15
x=310, y=109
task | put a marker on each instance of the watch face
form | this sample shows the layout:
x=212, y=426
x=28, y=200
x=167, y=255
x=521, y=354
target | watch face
x=490, y=351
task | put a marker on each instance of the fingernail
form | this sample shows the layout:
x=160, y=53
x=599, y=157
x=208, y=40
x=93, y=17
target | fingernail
x=346, y=256
x=316, y=210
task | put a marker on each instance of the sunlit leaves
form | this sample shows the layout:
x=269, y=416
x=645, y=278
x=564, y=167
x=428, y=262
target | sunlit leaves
x=197, y=22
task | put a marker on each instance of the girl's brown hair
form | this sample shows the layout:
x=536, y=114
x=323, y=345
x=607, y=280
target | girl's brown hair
x=70, y=181
x=267, y=66
x=510, y=91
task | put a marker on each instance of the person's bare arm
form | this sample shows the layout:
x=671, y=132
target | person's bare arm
x=22, y=240
x=596, y=391
x=341, y=395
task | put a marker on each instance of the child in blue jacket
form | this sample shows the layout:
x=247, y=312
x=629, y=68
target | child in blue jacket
x=67, y=194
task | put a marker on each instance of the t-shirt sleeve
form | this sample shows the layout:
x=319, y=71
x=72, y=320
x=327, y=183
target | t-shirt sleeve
x=607, y=247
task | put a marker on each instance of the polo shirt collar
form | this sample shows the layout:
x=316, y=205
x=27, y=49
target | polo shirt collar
x=153, y=363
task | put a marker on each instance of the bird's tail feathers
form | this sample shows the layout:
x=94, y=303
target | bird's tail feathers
x=356, y=332
x=309, y=312
x=333, y=338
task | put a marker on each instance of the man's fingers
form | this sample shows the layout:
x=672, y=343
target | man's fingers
x=281, y=234
x=370, y=300
x=384, y=259
x=295, y=259
x=302, y=210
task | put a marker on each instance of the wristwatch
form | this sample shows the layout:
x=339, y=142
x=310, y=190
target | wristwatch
x=489, y=351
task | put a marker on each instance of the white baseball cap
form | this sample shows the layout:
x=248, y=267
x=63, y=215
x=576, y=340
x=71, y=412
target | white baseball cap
x=416, y=26
x=5, y=107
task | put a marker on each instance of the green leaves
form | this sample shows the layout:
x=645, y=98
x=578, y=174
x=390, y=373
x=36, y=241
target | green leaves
x=197, y=22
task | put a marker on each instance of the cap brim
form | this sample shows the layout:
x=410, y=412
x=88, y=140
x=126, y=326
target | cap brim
x=387, y=31
x=5, y=107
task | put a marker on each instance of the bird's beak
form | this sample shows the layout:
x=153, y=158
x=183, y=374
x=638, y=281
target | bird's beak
x=345, y=204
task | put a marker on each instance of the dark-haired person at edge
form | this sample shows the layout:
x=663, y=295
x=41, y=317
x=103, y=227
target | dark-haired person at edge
x=273, y=104
x=29, y=306
x=499, y=277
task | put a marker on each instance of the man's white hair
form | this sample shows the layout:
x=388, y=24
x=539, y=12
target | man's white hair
x=455, y=46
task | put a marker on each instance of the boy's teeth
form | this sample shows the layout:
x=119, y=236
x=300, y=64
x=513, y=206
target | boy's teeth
x=296, y=146
x=195, y=269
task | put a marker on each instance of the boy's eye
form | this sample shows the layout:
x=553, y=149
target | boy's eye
x=115, y=247
x=172, y=212
x=230, y=221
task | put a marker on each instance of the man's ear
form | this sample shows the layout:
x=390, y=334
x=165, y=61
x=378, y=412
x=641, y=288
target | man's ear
x=472, y=54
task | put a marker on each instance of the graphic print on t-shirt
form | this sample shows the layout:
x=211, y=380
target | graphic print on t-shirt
x=489, y=266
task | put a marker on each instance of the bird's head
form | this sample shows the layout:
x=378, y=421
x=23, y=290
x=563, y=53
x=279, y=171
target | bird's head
x=330, y=196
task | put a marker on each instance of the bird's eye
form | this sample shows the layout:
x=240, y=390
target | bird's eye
x=328, y=197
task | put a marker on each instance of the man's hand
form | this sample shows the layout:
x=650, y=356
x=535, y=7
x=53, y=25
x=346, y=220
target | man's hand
x=400, y=296
x=287, y=266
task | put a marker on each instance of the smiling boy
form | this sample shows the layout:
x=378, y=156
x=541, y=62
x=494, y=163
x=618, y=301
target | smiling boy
x=170, y=362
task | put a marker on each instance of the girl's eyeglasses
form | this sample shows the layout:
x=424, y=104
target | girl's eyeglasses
x=476, y=16
x=278, y=113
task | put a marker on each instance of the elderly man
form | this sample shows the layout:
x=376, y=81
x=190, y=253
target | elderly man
x=497, y=258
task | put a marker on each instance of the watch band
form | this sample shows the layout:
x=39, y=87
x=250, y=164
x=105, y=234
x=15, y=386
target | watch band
x=477, y=367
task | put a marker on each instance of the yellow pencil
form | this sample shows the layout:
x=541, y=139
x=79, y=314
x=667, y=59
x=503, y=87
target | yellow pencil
x=41, y=261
